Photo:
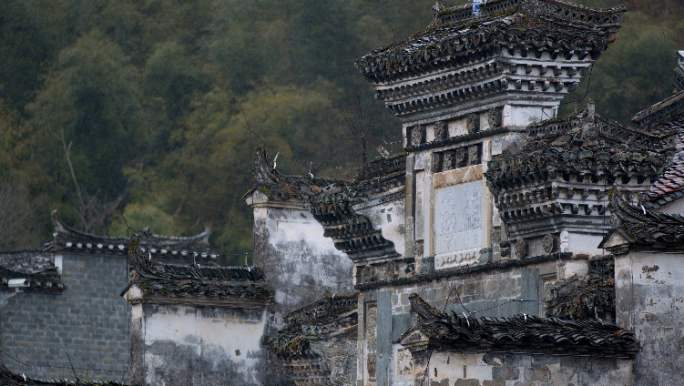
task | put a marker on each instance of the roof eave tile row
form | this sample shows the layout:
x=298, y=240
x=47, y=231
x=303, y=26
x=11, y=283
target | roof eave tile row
x=66, y=238
x=156, y=278
x=521, y=333
x=587, y=32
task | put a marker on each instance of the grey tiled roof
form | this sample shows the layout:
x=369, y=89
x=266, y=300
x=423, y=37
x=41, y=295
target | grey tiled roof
x=168, y=248
x=521, y=333
x=332, y=314
x=455, y=35
x=28, y=261
x=36, y=266
x=642, y=227
x=156, y=278
x=670, y=186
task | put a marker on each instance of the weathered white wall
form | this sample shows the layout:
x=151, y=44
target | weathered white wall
x=203, y=345
x=389, y=218
x=649, y=299
x=580, y=242
x=298, y=261
x=523, y=116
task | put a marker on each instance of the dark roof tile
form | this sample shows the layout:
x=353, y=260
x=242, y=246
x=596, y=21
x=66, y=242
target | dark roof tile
x=156, y=278
x=521, y=333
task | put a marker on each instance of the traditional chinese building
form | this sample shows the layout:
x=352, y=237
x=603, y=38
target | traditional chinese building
x=504, y=246
x=67, y=305
x=479, y=253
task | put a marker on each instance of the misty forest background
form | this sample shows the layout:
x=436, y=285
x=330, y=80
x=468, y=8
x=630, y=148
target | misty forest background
x=136, y=106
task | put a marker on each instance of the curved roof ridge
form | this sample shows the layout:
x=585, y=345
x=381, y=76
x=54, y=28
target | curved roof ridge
x=66, y=237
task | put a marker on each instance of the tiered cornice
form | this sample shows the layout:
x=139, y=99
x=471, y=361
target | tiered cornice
x=510, y=49
x=561, y=173
x=353, y=233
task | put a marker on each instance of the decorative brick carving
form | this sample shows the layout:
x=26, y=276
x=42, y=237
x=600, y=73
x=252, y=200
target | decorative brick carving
x=427, y=264
x=549, y=243
x=473, y=123
x=496, y=234
x=448, y=161
x=441, y=130
x=436, y=162
x=371, y=339
x=522, y=249
x=505, y=249
x=461, y=157
x=494, y=118
x=417, y=135
x=392, y=270
x=474, y=155
x=367, y=274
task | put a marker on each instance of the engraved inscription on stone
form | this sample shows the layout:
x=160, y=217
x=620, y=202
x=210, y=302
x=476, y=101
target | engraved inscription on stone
x=458, y=127
x=458, y=223
x=450, y=260
x=404, y=364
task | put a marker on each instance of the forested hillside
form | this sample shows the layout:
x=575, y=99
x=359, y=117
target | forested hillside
x=139, y=111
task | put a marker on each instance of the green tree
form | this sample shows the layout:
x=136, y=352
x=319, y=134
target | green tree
x=88, y=119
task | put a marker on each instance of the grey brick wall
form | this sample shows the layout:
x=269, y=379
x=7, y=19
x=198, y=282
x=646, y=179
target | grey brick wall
x=89, y=321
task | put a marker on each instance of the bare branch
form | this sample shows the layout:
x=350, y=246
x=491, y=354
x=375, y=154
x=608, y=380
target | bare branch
x=67, y=149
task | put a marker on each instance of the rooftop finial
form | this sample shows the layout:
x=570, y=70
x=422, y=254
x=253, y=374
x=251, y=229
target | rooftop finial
x=477, y=7
x=438, y=6
x=591, y=108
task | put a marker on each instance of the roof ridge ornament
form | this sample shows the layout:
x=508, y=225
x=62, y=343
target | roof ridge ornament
x=477, y=8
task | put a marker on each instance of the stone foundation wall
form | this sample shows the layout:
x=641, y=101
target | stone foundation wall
x=472, y=369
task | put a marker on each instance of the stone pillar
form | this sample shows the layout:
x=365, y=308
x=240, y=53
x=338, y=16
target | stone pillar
x=409, y=208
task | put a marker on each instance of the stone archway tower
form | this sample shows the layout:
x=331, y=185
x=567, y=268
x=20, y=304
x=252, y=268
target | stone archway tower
x=468, y=87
